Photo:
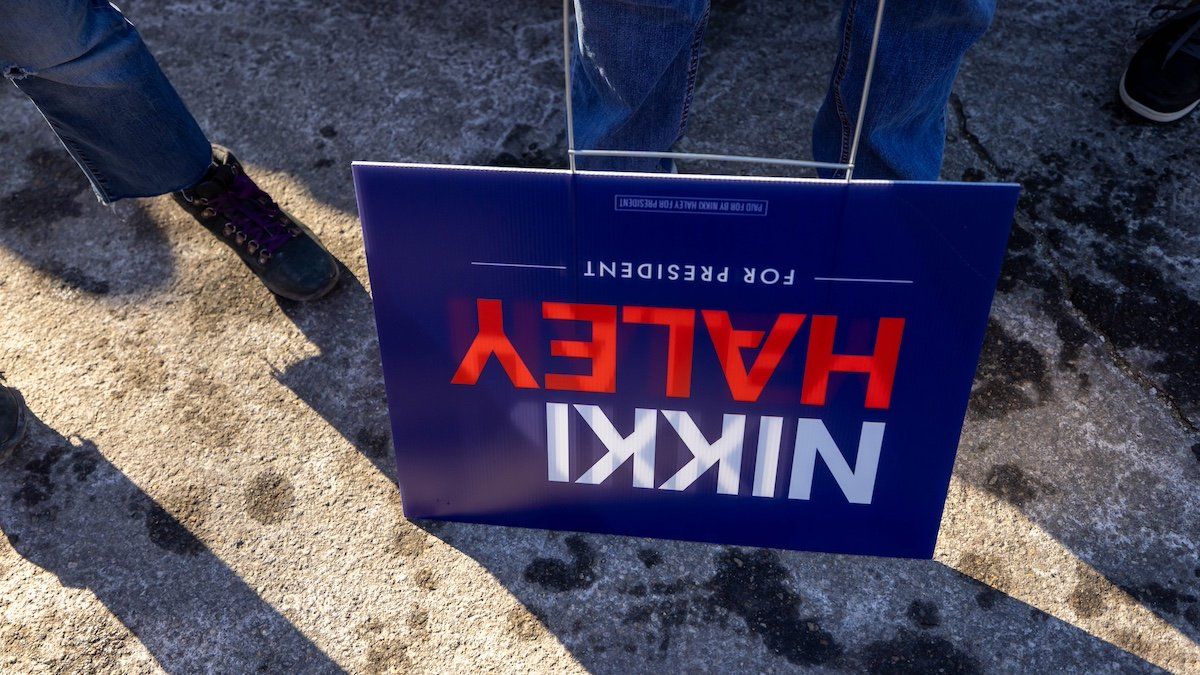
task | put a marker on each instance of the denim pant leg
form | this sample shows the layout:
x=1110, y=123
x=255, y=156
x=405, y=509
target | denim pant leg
x=91, y=76
x=921, y=46
x=634, y=71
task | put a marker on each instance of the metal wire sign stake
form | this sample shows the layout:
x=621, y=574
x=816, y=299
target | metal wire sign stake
x=474, y=271
x=848, y=167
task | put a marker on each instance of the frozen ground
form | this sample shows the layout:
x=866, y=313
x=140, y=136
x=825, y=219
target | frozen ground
x=208, y=484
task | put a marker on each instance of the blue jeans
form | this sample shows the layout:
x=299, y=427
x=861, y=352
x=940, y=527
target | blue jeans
x=91, y=76
x=635, y=71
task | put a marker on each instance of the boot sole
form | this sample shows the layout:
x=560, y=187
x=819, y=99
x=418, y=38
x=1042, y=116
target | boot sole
x=1150, y=113
x=6, y=450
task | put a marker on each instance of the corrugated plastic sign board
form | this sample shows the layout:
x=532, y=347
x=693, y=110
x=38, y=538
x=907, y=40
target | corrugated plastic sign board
x=763, y=362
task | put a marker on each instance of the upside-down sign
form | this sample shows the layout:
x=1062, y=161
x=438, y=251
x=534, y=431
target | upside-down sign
x=746, y=361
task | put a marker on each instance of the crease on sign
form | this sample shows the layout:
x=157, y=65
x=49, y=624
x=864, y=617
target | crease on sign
x=966, y=261
x=573, y=232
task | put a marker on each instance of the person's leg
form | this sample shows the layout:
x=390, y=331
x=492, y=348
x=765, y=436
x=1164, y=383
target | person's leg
x=921, y=46
x=91, y=76
x=633, y=74
x=94, y=80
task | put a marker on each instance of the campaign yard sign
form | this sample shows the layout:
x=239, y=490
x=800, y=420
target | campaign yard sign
x=765, y=362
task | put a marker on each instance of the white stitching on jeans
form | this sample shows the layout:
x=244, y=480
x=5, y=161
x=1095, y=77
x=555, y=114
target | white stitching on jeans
x=839, y=77
x=693, y=67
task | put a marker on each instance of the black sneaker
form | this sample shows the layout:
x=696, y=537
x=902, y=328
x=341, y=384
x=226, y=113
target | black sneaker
x=12, y=420
x=1162, y=81
x=288, y=258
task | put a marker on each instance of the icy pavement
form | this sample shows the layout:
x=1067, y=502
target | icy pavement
x=209, y=483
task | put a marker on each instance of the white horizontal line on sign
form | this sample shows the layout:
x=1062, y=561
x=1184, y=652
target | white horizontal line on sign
x=865, y=281
x=522, y=265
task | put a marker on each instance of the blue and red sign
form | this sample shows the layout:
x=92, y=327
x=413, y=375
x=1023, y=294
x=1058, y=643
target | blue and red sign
x=762, y=362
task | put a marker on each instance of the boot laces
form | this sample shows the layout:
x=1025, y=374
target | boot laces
x=254, y=220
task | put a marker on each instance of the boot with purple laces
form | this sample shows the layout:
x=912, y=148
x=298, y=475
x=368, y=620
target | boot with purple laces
x=280, y=250
x=12, y=419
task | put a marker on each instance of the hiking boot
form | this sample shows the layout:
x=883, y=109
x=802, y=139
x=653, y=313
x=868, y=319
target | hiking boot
x=1162, y=81
x=12, y=420
x=280, y=250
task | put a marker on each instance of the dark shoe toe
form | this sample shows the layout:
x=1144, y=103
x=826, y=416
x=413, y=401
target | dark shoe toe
x=1159, y=83
x=12, y=421
x=301, y=270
